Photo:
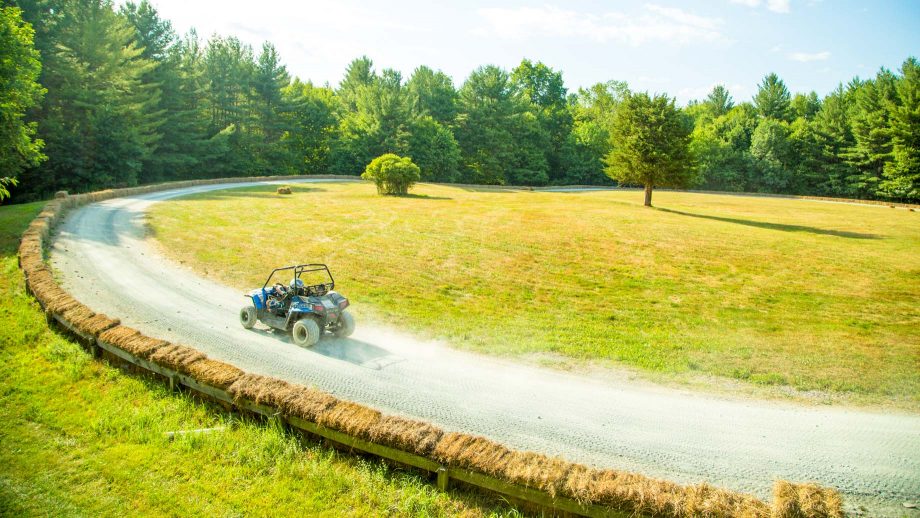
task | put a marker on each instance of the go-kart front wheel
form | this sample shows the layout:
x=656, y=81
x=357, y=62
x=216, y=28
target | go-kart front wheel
x=305, y=332
x=346, y=326
x=248, y=317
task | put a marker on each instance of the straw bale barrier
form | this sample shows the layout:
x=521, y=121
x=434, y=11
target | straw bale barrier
x=618, y=491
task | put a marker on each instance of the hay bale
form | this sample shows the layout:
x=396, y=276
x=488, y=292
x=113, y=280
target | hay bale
x=537, y=471
x=351, y=418
x=472, y=452
x=77, y=315
x=176, y=357
x=260, y=389
x=284, y=190
x=406, y=434
x=97, y=324
x=214, y=373
x=805, y=501
x=306, y=403
x=60, y=195
x=142, y=346
x=118, y=335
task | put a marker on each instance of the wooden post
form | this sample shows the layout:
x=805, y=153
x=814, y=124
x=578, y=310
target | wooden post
x=443, y=478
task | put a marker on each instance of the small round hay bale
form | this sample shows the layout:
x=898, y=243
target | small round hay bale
x=284, y=190
x=60, y=195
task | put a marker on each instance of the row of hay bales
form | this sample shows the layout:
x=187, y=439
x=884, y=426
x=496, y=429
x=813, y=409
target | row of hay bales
x=623, y=491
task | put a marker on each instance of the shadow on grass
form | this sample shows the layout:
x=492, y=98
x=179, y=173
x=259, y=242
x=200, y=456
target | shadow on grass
x=419, y=196
x=776, y=226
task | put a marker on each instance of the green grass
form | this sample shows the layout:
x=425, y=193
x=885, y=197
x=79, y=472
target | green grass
x=775, y=292
x=81, y=438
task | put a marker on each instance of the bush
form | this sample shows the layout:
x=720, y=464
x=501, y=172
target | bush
x=392, y=174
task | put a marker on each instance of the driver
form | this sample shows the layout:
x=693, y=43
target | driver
x=297, y=287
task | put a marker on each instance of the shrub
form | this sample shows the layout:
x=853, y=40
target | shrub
x=392, y=174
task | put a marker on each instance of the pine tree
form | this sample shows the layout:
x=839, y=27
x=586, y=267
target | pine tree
x=902, y=174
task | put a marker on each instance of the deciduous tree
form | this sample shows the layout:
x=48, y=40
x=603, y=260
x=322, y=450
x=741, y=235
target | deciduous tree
x=650, y=139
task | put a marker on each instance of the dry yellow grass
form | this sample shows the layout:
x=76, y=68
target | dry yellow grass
x=819, y=296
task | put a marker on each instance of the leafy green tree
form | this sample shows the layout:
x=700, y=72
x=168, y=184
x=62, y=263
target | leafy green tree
x=772, y=99
x=902, y=174
x=392, y=174
x=807, y=158
x=434, y=148
x=805, y=106
x=719, y=101
x=483, y=129
x=501, y=140
x=650, y=139
x=544, y=90
x=313, y=122
x=721, y=149
x=772, y=155
x=378, y=124
x=433, y=94
x=359, y=74
x=588, y=142
x=19, y=72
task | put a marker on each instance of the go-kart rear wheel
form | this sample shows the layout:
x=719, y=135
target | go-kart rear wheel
x=346, y=325
x=305, y=332
x=248, y=317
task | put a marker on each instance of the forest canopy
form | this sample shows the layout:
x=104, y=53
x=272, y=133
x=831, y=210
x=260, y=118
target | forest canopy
x=129, y=101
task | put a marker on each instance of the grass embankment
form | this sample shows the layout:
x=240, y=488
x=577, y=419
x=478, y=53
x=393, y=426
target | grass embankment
x=82, y=438
x=817, y=296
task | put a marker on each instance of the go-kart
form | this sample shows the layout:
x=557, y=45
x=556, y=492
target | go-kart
x=304, y=310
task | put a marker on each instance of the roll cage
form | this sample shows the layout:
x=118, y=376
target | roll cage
x=298, y=271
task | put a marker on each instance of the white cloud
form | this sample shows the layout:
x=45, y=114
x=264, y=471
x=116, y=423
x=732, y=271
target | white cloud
x=655, y=23
x=806, y=57
x=777, y=6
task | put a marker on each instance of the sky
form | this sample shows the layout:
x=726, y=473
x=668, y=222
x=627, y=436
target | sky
x=682, y=48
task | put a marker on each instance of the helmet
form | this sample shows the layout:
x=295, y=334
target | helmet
x=296, y=284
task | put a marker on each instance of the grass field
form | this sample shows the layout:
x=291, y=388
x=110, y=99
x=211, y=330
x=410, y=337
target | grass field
x=80, y=438
x=816, y=296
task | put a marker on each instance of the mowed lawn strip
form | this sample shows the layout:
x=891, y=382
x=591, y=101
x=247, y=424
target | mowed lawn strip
x=80, y=438
x=814, y=295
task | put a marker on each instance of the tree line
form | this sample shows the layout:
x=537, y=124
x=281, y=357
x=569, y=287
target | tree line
x=103, y=97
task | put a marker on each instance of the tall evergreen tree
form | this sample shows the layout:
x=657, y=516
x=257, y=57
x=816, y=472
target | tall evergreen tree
x=773, y=99
x=97, y=118
x=270, y=78
x=544, y=90
x=719, y=101
x=902, y=173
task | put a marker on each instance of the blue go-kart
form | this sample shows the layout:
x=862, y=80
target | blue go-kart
x=304, y=310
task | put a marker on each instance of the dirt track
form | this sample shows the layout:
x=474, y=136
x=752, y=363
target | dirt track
x=103, y=259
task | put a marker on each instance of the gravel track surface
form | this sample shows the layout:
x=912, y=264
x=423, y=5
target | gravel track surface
x=102, y=257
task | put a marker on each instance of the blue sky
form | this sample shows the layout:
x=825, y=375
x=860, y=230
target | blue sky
x=682, y=48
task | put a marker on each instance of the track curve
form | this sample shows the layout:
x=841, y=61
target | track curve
x=103, y=258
